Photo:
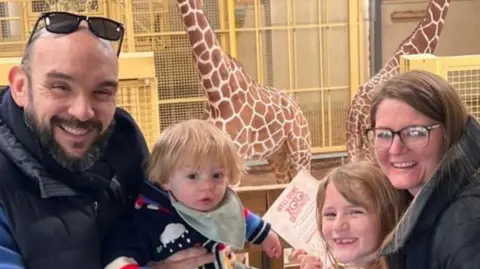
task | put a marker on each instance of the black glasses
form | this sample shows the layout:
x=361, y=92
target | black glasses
x=66, y=23
x=411, y=136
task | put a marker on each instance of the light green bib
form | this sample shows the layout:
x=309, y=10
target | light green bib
x=226, y=224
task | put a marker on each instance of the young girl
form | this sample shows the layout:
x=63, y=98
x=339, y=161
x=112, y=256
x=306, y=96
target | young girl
x=357, y=207
x=187, y=202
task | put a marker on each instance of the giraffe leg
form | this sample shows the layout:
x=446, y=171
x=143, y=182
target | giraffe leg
x=299, y=154
x=279, y=164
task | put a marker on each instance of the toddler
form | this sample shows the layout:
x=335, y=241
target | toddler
x=187, y=202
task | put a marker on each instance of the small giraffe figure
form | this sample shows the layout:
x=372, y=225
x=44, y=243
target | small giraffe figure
x=263, y=122
x=424, y=39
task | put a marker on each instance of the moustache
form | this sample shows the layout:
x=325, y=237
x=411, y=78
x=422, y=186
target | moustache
x=76, y=123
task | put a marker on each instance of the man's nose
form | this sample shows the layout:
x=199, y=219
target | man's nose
x=81, y=108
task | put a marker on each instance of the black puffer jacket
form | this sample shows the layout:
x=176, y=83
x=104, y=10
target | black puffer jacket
x=441, y=228
x=59, y=219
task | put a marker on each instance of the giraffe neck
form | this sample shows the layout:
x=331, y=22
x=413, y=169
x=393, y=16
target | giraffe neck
x=424, y=39
x=212, y=63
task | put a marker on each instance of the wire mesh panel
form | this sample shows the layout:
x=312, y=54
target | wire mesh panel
x=467, y=83
x=302, y=48
x=297, y=46
x=135, y=96
x=157, y=27
x=462, y=72
x=17, y=18
x=12, y=28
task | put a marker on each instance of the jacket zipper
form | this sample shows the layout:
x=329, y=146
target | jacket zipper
x=95, y=208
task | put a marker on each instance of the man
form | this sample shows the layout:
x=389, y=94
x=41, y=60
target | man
x=70, y=161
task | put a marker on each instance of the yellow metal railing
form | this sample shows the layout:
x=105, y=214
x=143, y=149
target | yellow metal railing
x=312, y=49
x=462, y=72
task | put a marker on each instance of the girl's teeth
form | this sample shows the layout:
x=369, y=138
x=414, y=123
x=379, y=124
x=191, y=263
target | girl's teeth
x=345, y=241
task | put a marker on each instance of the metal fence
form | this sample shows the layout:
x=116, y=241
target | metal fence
x=312, y=49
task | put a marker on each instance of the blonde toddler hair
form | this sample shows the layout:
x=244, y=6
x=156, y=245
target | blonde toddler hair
x=190, y=142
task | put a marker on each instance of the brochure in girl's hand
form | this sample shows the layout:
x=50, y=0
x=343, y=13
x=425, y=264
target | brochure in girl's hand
x=293, y=216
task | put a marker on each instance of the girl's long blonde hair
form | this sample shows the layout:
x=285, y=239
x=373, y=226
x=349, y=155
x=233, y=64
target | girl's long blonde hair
x=363, y=183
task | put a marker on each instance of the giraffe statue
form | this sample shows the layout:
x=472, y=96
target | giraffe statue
x=423, y=39
x=264, y=123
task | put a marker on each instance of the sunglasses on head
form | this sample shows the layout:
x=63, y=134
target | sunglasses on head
x=66, y=23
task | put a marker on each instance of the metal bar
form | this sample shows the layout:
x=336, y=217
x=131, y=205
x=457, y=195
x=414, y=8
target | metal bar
x=258, y=42
x=330, y=118
x=129, y=24
x=353, y=45
x=232, y=29
x=321, y=156
x=376, y=31
x=361, y=44
x=294, y=46
x=258, y=54
x=268, y=39
x=26, y=26
x=322, y=116
x=322, y=98
x=300, y=26
x=289, y=46
x=249, y=29
x=320, y=43
x=320, y=57
x=223, y=26
x=10, y=18
x=201, y=98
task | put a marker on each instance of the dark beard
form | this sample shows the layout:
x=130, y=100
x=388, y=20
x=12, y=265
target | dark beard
x=44, y=134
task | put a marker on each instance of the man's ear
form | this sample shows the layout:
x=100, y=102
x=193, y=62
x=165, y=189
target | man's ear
x=18, y=85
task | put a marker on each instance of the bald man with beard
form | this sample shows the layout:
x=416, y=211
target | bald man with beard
x=71, y=161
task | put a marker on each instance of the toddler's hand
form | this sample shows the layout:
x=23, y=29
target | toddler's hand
x=271, y=245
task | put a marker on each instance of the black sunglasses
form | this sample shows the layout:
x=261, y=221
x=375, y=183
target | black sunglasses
x=65, y=23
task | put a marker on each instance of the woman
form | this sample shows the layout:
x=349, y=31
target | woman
x=426, y=142
x=356, y=208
